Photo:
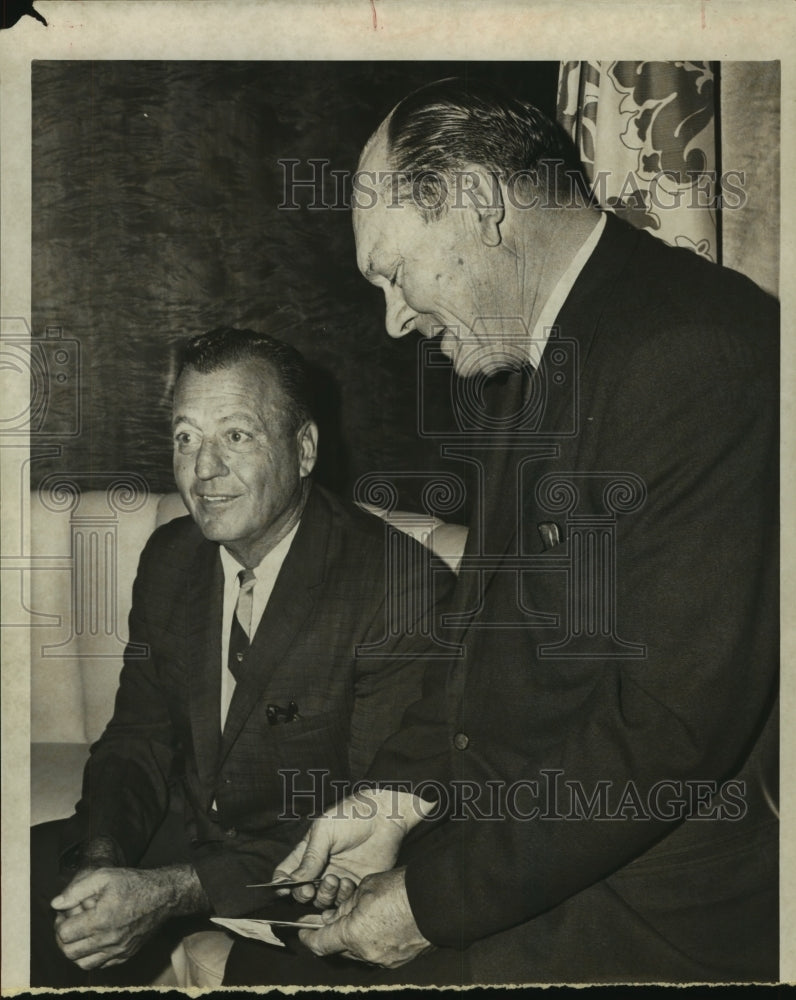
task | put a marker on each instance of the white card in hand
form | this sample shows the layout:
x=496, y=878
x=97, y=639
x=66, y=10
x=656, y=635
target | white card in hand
x=260, y=930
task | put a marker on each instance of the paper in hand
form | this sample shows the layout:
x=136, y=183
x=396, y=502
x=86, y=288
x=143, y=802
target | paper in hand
x=260, y=930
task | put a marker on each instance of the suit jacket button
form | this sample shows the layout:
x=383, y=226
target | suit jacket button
x=461, y=741
x=227, y=781
x=239, y=657
x=231, y=832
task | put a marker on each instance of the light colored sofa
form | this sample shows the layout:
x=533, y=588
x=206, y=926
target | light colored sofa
x=85, y=549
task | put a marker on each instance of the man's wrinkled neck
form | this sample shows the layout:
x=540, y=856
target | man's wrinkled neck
x=250, y=556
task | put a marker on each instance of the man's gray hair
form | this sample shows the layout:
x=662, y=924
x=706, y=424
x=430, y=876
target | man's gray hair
x=438, y=130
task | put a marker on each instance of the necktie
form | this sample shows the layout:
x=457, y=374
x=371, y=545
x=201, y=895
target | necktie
x=241, y=625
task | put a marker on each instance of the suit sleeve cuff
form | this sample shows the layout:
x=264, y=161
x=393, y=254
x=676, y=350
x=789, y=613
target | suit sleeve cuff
x=432, y=877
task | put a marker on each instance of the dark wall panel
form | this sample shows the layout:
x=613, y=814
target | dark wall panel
x=156, y=215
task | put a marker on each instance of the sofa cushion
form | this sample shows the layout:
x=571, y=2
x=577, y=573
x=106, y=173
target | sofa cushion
x=56, y=773
x=87, y=547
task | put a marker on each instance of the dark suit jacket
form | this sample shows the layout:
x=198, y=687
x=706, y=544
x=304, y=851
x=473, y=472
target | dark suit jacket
x=330, y=596
x=676, y=384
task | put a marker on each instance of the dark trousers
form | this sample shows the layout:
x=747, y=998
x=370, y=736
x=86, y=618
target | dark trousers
x=252, y=963
x=711, y=919
x=48, y=966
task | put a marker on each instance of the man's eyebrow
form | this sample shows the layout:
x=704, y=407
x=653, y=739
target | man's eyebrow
x=379, y=268
x=180, y=418
x=240, y=415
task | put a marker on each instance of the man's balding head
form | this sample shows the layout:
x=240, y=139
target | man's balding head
x=437, y=133
x=459, y=218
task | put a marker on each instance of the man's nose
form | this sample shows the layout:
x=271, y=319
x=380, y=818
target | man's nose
x=209, y=461
x=399, y=318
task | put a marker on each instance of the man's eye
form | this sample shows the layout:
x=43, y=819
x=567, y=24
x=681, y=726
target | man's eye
x=239, y=437
x=184, y=441
x=397, y=276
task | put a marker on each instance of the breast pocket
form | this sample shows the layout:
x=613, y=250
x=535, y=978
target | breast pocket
x=313, y=752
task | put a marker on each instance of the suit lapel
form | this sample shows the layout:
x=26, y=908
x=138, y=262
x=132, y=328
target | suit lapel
x=491, y=530
x=203, y=611
x=289, y=607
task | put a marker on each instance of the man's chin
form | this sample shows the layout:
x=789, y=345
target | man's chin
x=213, y=526
x=468, y=364
x=485, y=361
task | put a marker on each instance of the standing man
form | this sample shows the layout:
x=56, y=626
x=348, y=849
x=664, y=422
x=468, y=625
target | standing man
x=250, y=699
x=611, y=733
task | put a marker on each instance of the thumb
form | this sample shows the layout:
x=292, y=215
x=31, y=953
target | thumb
x=328, y=939
x=317, y=847
x=81, y=890
x=284, y=870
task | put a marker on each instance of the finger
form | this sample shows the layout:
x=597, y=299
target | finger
x=315, y=855
x=287, y=865
x=87, y=904
x=97, y=960
x=280, y=875
x=344, y=908
x=85, y=948
x=326, y=893
x=304, y=893
x=104, y=941
x=76, y=928
x=326, y=940
x=345, y=890
x=78, y=892
x=355, y=958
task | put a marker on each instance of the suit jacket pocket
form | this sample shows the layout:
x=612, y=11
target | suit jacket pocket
x=317, y=744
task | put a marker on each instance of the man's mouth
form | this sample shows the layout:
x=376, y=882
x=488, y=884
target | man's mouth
x=216, y=498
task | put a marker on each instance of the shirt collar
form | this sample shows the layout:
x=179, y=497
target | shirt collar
x=271, y=560
x=563, y=287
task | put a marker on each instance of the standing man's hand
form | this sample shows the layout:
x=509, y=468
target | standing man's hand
x=375, y=925
x=355, y=838
x=106, y=914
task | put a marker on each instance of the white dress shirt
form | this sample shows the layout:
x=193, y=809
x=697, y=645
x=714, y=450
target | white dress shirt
x=558, y=296
x=265, y=577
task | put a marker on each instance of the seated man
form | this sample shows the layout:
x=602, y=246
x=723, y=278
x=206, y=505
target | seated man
x=241, y=683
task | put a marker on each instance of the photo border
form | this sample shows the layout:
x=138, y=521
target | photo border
x=362, y=29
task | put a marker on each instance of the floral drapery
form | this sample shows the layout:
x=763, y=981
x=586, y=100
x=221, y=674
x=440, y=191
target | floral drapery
x=646, y=136
x=688, y=150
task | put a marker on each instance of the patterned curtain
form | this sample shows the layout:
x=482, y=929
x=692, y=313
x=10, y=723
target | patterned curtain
x=664, y=144
x=645, y=133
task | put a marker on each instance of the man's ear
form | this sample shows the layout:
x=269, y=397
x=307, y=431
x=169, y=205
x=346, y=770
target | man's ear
x=480, y=191
x=307, y=439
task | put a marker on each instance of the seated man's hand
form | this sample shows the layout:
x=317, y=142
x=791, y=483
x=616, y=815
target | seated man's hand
x=106, y=914
x=101, y=852
x=359, y=836
x=375, y=925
